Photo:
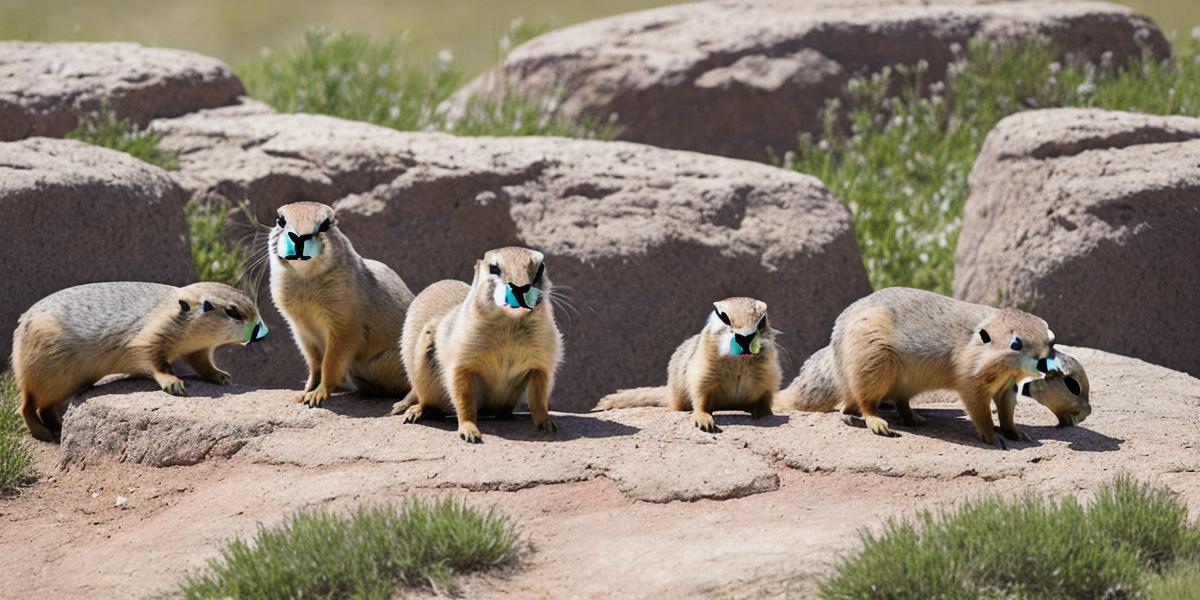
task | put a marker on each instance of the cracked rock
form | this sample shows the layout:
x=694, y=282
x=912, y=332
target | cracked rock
x=1089, y=218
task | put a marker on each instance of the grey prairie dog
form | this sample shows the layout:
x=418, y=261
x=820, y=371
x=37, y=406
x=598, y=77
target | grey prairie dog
x=478, y=349
x=345, y=311
x=900, y=342
x=73, y=338
x=732, y=364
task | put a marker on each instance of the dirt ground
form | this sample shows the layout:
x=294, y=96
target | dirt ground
x=632, y=503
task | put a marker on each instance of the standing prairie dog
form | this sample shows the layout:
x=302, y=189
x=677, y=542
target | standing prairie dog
x=478, y=349
x=345, y=311
x=900, y=342
x=732, y=364
x=73, y=338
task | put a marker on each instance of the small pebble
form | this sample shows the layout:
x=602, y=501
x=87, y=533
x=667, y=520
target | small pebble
x=122, y=502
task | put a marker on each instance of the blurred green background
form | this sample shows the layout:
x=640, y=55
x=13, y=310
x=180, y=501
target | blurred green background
x=238, y=31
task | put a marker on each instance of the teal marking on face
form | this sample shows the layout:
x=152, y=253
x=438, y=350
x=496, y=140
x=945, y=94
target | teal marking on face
x=254, y=331
x=297, y=247
x=529, y=296
x=740, y=344
x=1052, y=365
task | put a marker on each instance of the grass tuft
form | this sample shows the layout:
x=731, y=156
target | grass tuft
x=106, y=130
x=214, y=257
x=1028, y=548
x=902, y=164
x=356, y=77
x=15, y=460
x=368, y=554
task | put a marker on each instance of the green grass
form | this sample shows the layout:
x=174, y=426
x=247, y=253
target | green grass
x=902, y=163
x=368, y=554
x=106, y=130
x=1031, y=547
x=214, y=257
x=357, y=77
x=15, y=460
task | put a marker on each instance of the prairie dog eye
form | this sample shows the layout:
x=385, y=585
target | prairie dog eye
x=1016, y=343
x=233, y=313
x=537, y=278
x=325, y=225
x=280, y=221
x=1072, y=385
x=984, y=337
x=762, y=323
x=494, y=269
x=724, y=318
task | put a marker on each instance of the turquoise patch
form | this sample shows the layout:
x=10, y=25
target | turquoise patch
x=531, y=297
x=254, y=332
x=735, y=349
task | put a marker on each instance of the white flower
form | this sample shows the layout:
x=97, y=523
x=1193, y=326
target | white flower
x=445, y=56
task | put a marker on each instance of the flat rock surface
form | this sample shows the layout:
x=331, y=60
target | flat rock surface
x=46, y=87
x=640, y=240
x=76, y=213
x=1089, y=218
x=625, y=503
x=739, y=77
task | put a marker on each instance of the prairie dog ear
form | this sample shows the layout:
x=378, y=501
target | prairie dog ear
x=984, y=337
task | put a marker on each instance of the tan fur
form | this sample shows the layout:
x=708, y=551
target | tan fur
x=345, y=312
x=73, y=338
x=467, y=354
x=899, y=342
x=703, y=378
x=1065, y=392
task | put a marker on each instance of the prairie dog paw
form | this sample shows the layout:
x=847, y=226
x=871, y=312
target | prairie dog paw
x=469, y=433
x=174, y=386
x=706, y=423
x=314, y=398
x=548, y=427
x=219, y=377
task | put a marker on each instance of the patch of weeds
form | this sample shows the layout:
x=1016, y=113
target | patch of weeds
x=1032, y=547
x=105, y=129
x=367, y=554
x=902, y=163
x=15, y=460
x=360, y=78
x=214, y=257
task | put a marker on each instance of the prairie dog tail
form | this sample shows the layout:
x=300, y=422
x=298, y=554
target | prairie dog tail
x=634, y=398
x=818, y=387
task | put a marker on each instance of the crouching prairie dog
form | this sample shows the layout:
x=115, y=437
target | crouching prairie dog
x=73, y=338
x=732, y=364
x=346, y=312
x=900, y=342
x=478, y=349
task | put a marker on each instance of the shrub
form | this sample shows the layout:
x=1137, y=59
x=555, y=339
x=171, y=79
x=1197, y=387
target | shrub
x=1031, y=547
x=368, y=554
x=105, y=129
x=900, y=160
x=214, y=257
x=15, y=460
x=356, y=77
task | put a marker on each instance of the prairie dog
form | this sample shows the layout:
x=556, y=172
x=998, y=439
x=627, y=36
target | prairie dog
x=479, y=349
x=73, y=338
x=900, y=342
x=1064, y=391
x=346, y=312
x=732, y=364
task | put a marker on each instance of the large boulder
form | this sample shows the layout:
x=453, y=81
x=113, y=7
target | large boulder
x=739, y=77
x=76, y=213
x=1089, y=218
x=642, y=240
x=46, y=88
x=652, y=455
